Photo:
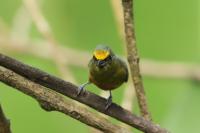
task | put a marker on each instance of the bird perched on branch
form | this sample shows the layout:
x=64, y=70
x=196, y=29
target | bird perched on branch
x=106, y=71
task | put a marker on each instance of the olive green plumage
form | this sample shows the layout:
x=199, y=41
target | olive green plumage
x=111, y=75
x=106, y=70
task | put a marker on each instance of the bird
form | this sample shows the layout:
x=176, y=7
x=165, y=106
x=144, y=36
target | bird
x=106, y=70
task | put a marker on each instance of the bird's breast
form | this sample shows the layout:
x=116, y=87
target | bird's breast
x=107, y=78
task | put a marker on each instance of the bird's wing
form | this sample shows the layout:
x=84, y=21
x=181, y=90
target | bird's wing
x=127, y=74
x=125, y=68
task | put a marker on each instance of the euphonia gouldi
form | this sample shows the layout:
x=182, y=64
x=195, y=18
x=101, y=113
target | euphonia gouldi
x=106, y=71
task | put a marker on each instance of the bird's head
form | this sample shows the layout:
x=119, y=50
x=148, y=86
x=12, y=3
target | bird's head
x=102, y=55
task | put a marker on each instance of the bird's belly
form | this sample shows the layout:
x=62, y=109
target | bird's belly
x=106, y=80
x=106, y=86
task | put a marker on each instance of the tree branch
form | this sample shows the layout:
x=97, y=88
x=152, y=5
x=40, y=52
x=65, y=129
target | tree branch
x=133, y=57
x=51, y=101
x=4, y=123
x=70, y=90
x=152, y=68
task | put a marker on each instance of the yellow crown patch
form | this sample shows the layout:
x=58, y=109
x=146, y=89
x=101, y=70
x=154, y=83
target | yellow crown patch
x=101, y=54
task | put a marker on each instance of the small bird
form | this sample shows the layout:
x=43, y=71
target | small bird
x=106, y=71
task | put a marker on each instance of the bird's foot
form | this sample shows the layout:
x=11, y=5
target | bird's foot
x=108, y=102
x=80, y=90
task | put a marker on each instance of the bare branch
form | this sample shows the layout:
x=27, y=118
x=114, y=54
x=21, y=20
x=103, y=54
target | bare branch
x=88, y=98
x=149, y=67
x=118, y=13
x=128, y=97
x=21, y=25
x=133, y=57
x=51, y=101
x=4, y=123
x=41, y=24
x=43, y=27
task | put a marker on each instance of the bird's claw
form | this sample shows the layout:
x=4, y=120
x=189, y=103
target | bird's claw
x=108, y=102
x=80, y=89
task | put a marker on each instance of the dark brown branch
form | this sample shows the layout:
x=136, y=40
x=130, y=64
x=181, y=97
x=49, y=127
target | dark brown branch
x=51, y=101
x=133, y=57
x=4, y=123
x=70, y=90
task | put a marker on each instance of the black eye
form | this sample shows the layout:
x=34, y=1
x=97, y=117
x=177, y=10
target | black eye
x=109, y=58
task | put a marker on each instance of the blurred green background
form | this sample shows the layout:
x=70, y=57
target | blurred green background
x=165, y=31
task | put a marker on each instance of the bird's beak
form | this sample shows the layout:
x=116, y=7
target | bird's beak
x=101, y=63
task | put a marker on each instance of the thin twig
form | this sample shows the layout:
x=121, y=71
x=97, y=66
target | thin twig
x=71, y=90
x=4, y=123
x=43, y=27
x=39, y=20
x=51, y=101
x=149, y=67
x=128, y=101
x=118, y=13
x=21, y=25
x=129, y=94
x=133, y=57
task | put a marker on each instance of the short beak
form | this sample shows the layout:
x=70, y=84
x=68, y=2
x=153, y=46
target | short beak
x=101, y=63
